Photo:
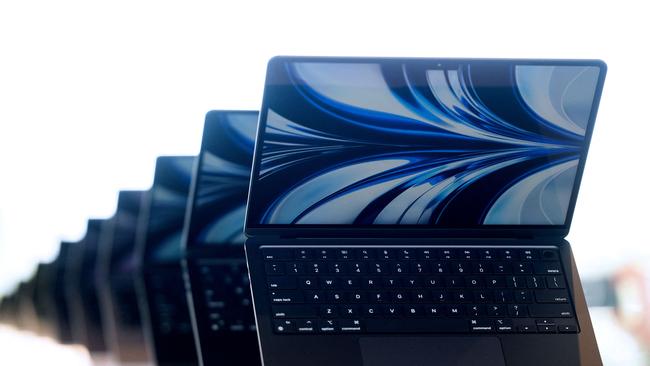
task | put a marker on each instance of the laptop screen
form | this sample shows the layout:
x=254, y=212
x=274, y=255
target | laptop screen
x=166, y=211
x=221, y=187
x=122, y=257
x=436, y=143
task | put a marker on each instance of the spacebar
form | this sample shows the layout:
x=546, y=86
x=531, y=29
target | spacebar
x=445, y=325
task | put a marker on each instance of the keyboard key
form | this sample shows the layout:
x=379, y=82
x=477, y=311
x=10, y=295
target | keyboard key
x=328, y=326
x=550, y=255
x=282, y=283
x=528, y=254
x=547, y=328
x=386, y=254
x=454, y=310
x=481, y=325
x=306, y=326
x=329, y=311
x=487, y=254
x=286, y=297
x=447, y=254
x=392, y=310
x=504, y=325
x=293, y=311
x=274, y=268
x=370, y=311
x=535, y=282
x=344, y=255
x=324, y=254
x=517, y=311
x=366, y=254
x=522, y=268
x=508, y=254
x=304, y=254
x=550, y=311
x=566, y=328
x=284, y=326
x=552, y=296
x=527, y=328
x=295, y=268
x=426, y=254
x=350, y=325
x=555, y=282
x=308, y=283
x=277, y=254
x=406, y=254
x=547, y=268
x=475, y=310
x=496, y=310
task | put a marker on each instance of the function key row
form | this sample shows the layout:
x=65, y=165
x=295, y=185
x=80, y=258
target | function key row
x=348, y=254
x=416, y=267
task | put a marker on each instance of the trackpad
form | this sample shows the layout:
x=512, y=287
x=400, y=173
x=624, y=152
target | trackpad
x=431, y=351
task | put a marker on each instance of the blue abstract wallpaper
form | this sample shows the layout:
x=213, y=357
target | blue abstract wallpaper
x=169, y=195
x=406, y=143
x=123, y=254
x=223, y=176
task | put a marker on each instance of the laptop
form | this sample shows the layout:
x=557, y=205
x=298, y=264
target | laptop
x=81, y=291
x=219, y=290
x=62, y=318
x=44, y=299
x=413, y=211
x=120, y=313
x=159, y=284
x=27, y=320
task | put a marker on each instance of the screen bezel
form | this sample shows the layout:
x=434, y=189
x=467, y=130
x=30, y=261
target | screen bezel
x=200, y=249
x=336, y=230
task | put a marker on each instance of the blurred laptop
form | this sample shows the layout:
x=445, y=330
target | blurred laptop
x=220, y=302
x=81, y=292
x=160, y=287
x=117, y=268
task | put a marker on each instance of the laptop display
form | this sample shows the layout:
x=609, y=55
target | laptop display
x=219, y=200
x=421, y=143
x=167, y=209
x=123, y=258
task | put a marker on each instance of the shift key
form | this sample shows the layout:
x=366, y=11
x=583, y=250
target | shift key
x=550, y=311
x=293, y=311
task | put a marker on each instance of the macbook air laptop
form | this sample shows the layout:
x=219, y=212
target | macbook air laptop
x=413, y=211
x=120, y=313
x=44, y=299
x=219, y=290
x=160, y=286
x=82, y=294
x=62, y=320
x=72, y=292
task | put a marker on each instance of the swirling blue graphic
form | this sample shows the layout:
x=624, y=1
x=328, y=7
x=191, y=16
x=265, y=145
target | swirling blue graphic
x=397, y=143
x=166, y=211
x=223, y=177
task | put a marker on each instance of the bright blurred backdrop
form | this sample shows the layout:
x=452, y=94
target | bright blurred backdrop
x=92, y=91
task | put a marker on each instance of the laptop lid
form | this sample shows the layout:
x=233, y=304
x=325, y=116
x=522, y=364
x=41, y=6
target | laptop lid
x=462, y=147
x=215, y=219
x=122, y=259
x=165, y=210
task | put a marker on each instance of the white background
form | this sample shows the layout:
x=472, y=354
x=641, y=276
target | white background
x=92, y=91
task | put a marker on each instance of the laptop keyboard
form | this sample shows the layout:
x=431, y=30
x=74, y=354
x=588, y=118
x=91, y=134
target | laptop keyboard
x=226, y=296
x=334, y=290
